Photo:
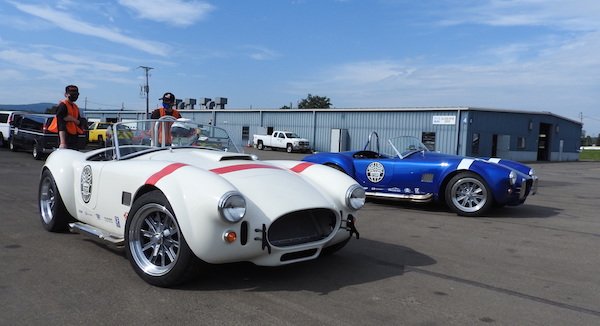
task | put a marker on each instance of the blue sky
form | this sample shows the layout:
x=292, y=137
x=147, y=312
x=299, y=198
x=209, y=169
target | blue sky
x=535, y=55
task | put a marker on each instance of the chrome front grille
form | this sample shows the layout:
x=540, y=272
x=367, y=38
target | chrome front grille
x=302, y=227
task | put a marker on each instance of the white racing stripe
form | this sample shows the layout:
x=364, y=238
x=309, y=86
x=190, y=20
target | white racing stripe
x=465, y=164
x=494, y=160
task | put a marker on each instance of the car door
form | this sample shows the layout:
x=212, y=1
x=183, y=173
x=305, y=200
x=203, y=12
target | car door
x=375, y=174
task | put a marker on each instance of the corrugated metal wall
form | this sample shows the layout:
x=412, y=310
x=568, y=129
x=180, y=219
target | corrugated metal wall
x=453, y=135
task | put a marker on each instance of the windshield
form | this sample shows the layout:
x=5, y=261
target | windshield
x=146, y=135
x=403, y=146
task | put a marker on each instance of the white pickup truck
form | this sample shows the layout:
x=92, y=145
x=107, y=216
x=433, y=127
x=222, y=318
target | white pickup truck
x=281, y=139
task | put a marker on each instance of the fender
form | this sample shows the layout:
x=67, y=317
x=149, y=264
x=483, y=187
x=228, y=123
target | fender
x=60, y=164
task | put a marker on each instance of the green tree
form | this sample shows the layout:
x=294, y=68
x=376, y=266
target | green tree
x=315, y=102
x=285, y=107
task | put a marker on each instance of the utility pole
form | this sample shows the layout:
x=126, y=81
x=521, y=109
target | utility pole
x=147, y=90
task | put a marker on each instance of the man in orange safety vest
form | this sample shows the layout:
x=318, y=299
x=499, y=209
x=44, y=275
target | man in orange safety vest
x=66, y=122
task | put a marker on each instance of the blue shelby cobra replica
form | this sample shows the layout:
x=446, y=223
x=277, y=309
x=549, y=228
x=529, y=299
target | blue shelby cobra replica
x=406, y=170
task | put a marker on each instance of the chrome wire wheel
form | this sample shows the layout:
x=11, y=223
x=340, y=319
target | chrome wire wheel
x=469, y=195
x=47, y=199
x=154, y=239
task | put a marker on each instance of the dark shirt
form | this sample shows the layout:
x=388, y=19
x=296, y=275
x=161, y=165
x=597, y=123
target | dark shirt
x=61, y=113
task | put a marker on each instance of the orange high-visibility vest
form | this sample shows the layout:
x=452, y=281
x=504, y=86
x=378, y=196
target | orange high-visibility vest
x=175, y=114
x=72, y=128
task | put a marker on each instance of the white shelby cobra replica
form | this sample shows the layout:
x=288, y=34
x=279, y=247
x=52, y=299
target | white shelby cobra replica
x=176, y=194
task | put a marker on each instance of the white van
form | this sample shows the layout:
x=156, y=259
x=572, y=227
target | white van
x=6, y=117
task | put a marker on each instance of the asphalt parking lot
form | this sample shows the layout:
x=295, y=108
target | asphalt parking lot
x=536, y=264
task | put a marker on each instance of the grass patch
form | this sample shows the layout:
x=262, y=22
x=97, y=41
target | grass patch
x=589, y=155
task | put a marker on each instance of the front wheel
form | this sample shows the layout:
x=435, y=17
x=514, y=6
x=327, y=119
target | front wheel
x=53, y=213
x=154, y=243
x=467, y=194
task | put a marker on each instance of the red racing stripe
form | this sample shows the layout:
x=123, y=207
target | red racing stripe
x=301, y=167
x=163, y=173
x=241, y=167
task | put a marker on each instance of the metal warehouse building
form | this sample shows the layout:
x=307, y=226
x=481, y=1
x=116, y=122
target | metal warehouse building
x=467, y=131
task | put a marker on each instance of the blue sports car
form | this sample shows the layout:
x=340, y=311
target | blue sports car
x=407, y=170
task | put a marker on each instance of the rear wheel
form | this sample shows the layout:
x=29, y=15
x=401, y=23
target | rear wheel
x=37, y=151
x=12, y=146
x=289, y=148
x=53, y=213
x=467, y=194
x=154, y=243
x=260, y=145
x=2, y=140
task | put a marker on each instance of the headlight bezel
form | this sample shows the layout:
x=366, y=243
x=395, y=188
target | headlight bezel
x=232, y=207
x=355, y=197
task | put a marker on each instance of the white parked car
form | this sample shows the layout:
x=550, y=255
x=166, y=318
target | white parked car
x=176, y=195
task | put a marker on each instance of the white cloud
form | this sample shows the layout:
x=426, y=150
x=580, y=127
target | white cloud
x=71, y=24
x=575, y=15
x=172, y=12
x=261, y=53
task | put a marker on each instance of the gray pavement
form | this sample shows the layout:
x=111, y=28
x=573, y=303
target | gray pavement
x=536, y=264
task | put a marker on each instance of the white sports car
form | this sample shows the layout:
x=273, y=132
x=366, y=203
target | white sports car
x=176, y=194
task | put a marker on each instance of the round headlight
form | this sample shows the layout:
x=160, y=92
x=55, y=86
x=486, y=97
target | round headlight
x=355, y=197
x=232, y=206
x=513, y=177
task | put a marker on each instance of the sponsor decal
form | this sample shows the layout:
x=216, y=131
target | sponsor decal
x=97, y=216
x=117, y=222
x=417, y=190
x=86, y=184
x=407, y=190
x=395, y=189
x=375, y=172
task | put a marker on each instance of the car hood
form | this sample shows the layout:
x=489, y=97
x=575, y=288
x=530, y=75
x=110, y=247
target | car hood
x=263, y=184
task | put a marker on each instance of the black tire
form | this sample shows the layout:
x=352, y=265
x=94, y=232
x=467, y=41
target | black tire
x=2, y=143
x=37, y=152
x=335, y=166
x=165, y=259
x=53, y=213
x=12, y=146
x=467, y=194
x=289, y=148
x=328, y=251
x=260, y=145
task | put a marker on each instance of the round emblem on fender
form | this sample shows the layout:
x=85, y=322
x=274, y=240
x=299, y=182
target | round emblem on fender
x=375, y=172
x=86, y=183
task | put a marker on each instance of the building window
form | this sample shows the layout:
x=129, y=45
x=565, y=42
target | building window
x=428, y=139
x=521, y=143
x=475, y=144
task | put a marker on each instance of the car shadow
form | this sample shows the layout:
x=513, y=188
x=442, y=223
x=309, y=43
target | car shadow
x=361, y=261
x=521, y=211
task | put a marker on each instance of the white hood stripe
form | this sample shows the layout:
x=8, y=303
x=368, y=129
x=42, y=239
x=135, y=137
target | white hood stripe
x=465, y=164
x=494, y=160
